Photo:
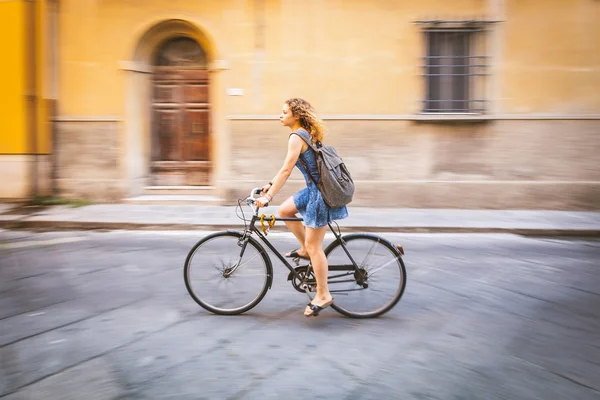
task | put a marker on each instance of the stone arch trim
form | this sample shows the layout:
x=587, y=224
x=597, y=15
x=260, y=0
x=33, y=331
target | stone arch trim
x=159, y=31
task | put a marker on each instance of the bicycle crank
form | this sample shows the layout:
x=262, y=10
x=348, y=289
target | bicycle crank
x=301, y=282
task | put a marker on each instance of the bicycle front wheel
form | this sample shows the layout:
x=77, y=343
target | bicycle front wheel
x=367, y=277
x=227, y=274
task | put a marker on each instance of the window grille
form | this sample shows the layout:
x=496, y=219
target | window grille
x=455, y=67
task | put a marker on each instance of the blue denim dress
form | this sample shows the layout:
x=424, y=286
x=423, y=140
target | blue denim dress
x=308, y=201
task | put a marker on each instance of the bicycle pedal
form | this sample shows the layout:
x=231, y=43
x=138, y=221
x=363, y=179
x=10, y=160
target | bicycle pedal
x=308, y=293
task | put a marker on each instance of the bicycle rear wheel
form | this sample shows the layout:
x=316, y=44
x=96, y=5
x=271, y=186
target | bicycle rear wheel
x=227, y=274
x=378, y=283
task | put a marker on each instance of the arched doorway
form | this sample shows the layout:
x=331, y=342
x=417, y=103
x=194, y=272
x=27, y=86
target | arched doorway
x=180, y=142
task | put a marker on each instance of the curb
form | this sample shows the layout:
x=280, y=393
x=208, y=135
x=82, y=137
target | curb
x=91, y=225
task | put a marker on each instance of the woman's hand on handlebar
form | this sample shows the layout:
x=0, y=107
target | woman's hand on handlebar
x=262, y=201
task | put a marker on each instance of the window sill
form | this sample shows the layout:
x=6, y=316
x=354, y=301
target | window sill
x=452, y=117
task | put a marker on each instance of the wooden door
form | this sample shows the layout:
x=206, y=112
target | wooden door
x=180, y=126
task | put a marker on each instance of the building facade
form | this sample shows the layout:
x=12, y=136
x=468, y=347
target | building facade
x=434, y=104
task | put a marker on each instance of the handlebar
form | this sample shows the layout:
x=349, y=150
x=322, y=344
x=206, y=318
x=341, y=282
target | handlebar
x=251, y=198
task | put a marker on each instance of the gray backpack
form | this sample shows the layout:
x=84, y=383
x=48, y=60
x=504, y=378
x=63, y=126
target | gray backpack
x=335, y=183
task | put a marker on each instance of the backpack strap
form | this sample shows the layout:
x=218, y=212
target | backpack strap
x=308, y=142
x=307, y=170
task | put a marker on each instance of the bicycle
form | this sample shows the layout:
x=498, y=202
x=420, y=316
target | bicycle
x=233, y=257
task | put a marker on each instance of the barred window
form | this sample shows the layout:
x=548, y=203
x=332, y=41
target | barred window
x=455, y=69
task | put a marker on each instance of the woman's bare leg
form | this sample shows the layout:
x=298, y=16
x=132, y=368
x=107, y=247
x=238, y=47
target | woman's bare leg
x=314, y=246
x=287, y=209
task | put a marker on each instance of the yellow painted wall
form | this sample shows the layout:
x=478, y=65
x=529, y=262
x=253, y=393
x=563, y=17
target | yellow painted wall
x=551, y=57
x=12, y=76
x=348, y=57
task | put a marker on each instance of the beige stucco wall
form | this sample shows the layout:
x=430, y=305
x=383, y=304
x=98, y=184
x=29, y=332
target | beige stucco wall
x=19, y=173
x=358, y=63
x=88, y=160
x=412, y=150
x=504, y=164
x=15, y=173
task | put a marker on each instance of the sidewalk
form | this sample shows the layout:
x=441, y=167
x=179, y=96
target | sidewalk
x=190, y=217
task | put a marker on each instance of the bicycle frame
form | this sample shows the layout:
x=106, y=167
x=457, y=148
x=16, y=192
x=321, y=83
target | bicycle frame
x=253, y=229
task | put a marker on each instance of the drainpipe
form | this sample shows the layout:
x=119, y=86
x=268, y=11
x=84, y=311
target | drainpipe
x=31, y=96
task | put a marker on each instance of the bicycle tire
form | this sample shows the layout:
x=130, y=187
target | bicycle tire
x=351, y=241
x=225, y=237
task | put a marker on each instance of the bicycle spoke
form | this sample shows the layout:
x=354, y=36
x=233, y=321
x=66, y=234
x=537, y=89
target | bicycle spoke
x=245, y=262
x=394, y=260
x=369, y=253
x=214, y=279
x=245, y=275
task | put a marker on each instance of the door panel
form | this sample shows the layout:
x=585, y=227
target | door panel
x=195, y=147
x=166, y=93
x=167, y=129
x=195, y=93
x=181, y=127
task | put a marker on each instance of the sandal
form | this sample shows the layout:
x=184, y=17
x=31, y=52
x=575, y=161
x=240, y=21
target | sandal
x=294, y=254
x=317, y=309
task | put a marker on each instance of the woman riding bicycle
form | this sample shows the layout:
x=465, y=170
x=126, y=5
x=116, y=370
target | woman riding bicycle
x=300, y=117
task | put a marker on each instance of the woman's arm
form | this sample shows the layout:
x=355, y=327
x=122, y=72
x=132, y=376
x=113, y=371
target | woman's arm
x=295, y=145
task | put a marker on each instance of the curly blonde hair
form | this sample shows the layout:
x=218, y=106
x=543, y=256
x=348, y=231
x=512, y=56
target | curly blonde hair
x=307, y=117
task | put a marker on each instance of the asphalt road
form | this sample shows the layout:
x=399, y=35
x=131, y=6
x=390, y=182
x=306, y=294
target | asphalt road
x=105, y=315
